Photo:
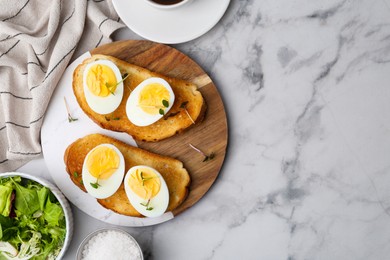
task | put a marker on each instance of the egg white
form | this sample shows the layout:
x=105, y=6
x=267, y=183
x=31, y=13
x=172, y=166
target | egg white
x=135, y=113
x=159, y=203
x=108, y=186
x=103, y=105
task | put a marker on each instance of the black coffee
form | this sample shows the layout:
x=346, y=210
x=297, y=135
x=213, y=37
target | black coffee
x=167, y=2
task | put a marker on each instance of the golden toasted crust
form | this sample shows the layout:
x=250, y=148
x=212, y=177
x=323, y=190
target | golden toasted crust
x=172, y=170
x=174, y=122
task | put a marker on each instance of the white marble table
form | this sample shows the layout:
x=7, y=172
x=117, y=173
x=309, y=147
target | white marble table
x=306, y=85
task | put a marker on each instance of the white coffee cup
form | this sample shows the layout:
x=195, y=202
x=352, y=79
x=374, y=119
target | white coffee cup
x=159, y=3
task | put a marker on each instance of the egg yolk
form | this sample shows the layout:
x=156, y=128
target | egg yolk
x=151, y=97
x=102, y=162
x=101, y=80
x=145, y=183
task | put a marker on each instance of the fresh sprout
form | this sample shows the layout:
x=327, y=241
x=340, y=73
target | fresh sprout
x=110, y=87
x=207, y=157
x=70, y=118
x=184, y=106
x=145, y=179
x=96, y=184
x=147, y=205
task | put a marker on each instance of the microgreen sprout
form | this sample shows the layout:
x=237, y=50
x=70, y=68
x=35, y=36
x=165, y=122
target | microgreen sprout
x=165, y=104
x=161, y=111
x=147, y=205
x=145, y=179
x=184, y=106
x=96, y=184
x=207, y=157
x=110, y=87
x=70, y=118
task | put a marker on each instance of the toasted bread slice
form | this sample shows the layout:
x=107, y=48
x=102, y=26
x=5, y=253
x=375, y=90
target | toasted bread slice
x=175, y=121
x=172, y=170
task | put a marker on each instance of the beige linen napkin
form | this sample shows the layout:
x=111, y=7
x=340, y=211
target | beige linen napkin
x=38, y=38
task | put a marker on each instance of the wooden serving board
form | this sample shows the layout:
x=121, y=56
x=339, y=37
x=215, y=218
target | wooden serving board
x=211, y=135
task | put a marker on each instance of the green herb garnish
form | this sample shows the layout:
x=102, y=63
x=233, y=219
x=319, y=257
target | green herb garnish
x=165, y=104
x=207, y=157
x=75, y=174
x=96, y=184
x=70, y=118
x=145, y=179
x=147, y=205
x=184, y=106
x=161, y=111
x=111, y=87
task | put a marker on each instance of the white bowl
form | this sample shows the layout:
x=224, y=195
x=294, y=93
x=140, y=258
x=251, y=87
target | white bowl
x=60, y=197
x=95, y=233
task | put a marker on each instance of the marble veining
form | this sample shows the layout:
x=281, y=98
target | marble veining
x=307, y=174
x=298, y=77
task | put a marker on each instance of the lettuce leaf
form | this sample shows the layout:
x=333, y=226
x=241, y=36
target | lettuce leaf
x=52, y=213
x=6, y=188
x=5, y=199
x=26, y=200
x=8, y=228
x=5, y=224
x=10, y=179
x=42, y=197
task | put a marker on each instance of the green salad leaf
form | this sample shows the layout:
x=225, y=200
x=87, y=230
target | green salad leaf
x=26, y=200
x=5, y=224
x=6, y=189
x=42, y=196
x=39, y=228
x=52, y=213
x=5, y=199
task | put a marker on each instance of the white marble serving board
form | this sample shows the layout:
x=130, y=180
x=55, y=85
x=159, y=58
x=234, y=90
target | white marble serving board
x=57, y=134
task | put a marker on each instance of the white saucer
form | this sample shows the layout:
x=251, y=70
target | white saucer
x=178, y=25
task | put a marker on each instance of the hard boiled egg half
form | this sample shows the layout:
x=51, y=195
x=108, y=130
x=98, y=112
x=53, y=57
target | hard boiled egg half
x=103, y=171
x=146, y=190
x=103, y=86
x=149, y=101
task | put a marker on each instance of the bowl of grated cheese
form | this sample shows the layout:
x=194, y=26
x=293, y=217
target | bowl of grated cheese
x=109, y=244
